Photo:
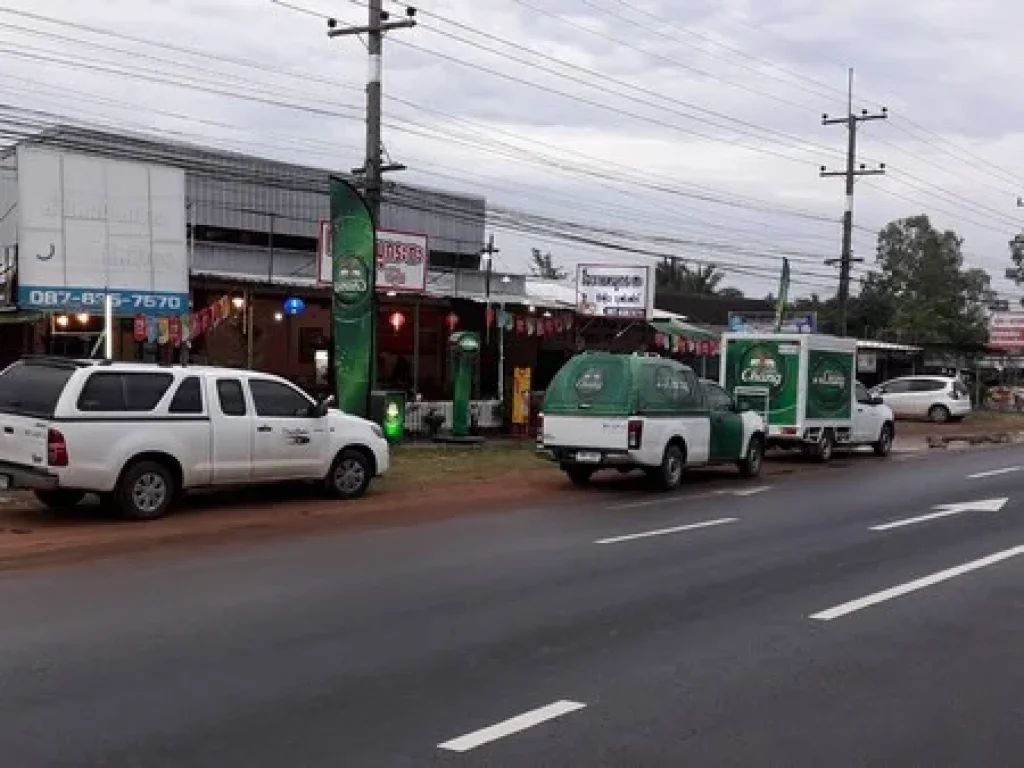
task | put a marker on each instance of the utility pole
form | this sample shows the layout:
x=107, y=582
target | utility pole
x=378, y=23
x=852, y=172
x=373, y=169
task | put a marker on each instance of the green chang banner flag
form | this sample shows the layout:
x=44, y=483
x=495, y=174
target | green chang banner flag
x=353, y=321
x=780, y=307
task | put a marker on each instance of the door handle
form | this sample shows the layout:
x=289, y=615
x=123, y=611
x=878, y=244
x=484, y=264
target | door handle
x=264, y=429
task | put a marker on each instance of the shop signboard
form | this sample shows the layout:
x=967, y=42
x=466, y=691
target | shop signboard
x=89, y=227
x=764, y=322
x=402, y=260
x=611, y=291
x=1006, y=332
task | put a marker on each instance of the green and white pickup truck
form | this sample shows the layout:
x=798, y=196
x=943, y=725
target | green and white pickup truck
x=646, y=412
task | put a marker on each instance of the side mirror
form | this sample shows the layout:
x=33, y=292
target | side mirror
x=875, y=400
x=321, y=408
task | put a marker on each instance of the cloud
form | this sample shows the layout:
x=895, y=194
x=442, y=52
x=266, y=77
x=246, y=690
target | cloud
x=657, y=105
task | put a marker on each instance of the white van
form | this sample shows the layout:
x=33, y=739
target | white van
x=139, y=435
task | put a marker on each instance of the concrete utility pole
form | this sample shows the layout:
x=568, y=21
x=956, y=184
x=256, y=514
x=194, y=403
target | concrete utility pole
x=373, y=168
x=851, y=121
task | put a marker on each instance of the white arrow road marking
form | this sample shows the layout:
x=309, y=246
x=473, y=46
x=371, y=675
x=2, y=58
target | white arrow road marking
x=512, y=725
x=667, y=531
x=994, y=472
x=945, y=510
x=912, y=586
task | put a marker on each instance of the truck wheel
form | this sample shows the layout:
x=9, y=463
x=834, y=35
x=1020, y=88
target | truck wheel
x=670, y=474
x=826, y=447
x=64, y=499
x=579, y=476
x=145, y=491
x=939, y=414
x=350, y=475
x=884, y=444
x=750, y=465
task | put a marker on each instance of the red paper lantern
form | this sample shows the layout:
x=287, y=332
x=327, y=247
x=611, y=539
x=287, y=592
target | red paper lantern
x=452, y=320
x=139, y=328
x=396, y=320
x=490, y=317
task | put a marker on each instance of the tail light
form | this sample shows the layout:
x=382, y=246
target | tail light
x=634, y=434
x=540, y=429
x=56, y=449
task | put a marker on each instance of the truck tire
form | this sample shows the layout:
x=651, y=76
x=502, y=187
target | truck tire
x=826, y=447
x=883, y=446
x=350, y=475
x=579, y=476
x=750, y=465
x=60, y=499
x=670, y=474
x=146, y=491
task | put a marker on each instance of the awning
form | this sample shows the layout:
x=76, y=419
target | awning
x=671, y=326
x=19, y=317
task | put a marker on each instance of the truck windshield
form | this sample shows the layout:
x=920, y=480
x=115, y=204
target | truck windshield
x=32, y=389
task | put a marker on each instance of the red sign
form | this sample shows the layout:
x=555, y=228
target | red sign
x=401, y=261
x=1006, y=331
x=139, y=328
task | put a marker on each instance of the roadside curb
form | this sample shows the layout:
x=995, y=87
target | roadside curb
x=974, y=438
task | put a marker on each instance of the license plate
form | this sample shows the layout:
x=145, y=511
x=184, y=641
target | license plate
x=5, y=482
x=588, y=457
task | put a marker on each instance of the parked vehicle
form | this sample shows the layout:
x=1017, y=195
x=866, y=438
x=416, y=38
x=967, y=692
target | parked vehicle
x=804, y=387
x=646, y=412
x=936, y=398
x=139, y=435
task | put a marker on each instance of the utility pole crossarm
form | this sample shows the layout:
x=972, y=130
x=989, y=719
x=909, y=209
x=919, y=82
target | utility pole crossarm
x=851, y=174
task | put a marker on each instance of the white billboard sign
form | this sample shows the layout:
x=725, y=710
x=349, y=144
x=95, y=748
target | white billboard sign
x=1006, y=331
x=614, y=291
x=88, y=227
x=402, y=260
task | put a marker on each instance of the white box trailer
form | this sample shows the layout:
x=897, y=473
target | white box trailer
x=803, y=386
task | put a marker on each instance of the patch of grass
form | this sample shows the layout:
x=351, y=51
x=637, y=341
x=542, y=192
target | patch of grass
x=417, y=466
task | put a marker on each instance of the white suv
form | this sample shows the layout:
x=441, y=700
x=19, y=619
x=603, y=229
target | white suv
x=937, y=398
x=139, y=435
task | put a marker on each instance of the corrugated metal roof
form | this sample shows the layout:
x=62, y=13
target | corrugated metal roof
x=886, y=346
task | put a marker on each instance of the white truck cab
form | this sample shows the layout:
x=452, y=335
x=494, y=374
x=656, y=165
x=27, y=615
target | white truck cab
x=139, y=435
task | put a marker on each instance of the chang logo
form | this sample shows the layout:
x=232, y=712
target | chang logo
x=829, y=385
x=761, y=367
x=590, y=383
x=351, y=283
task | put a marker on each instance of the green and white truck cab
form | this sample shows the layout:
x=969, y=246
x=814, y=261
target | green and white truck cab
x=643, y=411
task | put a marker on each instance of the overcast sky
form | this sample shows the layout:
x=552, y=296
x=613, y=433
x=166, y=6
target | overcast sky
x=688, y=127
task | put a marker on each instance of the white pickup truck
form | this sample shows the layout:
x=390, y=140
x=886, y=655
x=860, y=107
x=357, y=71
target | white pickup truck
x=139, y=435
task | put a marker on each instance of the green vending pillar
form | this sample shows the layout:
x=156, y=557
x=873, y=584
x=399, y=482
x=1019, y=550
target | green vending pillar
x=465, y=346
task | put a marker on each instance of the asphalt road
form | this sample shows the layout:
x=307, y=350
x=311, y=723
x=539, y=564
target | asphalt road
x=805, y=621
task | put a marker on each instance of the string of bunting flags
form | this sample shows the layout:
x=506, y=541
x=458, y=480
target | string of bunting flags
x=526, y=324
x=684, y=345
x=183, y=329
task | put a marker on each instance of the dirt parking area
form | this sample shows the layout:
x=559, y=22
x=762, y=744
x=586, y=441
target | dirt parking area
x=427, y=482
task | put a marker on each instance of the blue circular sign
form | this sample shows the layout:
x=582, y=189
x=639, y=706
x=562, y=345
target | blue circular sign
x=294, y=306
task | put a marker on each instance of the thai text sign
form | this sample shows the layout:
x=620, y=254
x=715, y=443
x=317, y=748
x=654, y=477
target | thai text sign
x=614, y=291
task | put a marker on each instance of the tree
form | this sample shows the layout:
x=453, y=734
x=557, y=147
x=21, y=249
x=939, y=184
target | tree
x=544, y=266
x=923, y=293
x=731, y=293
x=703, y=280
